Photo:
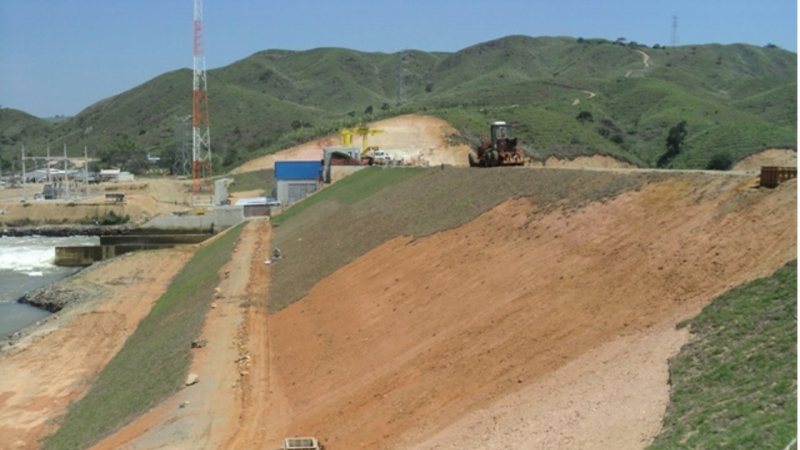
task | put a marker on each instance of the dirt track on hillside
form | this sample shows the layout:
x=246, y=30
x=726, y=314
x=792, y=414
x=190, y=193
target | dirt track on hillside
x=231, y=403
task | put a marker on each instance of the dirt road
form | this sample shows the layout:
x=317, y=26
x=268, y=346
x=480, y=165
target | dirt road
x=231, y=404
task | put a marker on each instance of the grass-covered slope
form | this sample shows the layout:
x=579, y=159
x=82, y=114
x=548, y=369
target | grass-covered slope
x=735, y=384
x=155, y=359
x=357, y=214
x=277, y=98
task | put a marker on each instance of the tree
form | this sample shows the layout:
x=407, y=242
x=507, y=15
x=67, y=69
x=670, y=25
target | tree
x=675, y=138
x=296, y=124
x=385, y=107
x=231, y=157
x=721, y=160
x=368, y=110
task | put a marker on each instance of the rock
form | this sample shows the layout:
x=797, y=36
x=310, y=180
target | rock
x=193, y=378
x=54, y=298
x=213, y=305
x=199, y=343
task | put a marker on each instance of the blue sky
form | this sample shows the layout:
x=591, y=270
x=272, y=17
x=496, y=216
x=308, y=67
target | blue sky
x=60, y=56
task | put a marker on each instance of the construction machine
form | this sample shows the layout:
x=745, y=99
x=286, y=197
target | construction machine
x=364, y=131
x=501, y=150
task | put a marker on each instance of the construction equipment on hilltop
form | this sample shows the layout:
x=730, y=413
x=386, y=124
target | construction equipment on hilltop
x=364, y=131
x=501, y=150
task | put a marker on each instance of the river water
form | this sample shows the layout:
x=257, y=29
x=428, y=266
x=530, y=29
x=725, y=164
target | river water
x=26, y=264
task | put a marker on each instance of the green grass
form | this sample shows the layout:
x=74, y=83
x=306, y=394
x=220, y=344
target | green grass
x=352, y=189
x=263, y=180
x=155, y=359
x=735, y=384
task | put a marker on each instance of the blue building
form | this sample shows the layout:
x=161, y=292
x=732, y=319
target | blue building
x=294, y=180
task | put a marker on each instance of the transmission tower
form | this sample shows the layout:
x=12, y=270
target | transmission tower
x=399, y=69
x=673, y=40
x=201, y=135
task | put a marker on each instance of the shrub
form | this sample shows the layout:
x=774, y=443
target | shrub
x=721, y=160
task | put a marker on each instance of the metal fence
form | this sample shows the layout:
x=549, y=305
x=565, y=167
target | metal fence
x=772, y=176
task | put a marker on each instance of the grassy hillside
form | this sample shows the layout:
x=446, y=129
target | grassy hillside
x=277, y=98
x=419, y=203
x=735, y=384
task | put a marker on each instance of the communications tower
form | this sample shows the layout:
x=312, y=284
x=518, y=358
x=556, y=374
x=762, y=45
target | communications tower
x=201, y=135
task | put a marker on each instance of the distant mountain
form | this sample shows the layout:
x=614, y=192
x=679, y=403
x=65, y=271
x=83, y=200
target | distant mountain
x=735, y=99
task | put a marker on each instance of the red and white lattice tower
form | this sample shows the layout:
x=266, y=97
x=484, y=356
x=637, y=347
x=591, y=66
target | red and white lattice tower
x=201, y=135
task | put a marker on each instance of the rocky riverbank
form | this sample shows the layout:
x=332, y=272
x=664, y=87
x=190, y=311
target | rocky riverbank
x=64, y=231
x=55, y=297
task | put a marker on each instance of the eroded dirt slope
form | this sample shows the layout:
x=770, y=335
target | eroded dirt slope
x=411, y=338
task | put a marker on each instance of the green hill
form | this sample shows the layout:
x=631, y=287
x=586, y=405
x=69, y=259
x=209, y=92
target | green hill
x=736, y=99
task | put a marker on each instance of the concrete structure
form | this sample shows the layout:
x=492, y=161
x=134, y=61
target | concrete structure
x=257, y=206
x=80, y=256
x=331, y=154
x=294, y=180
x=221, y=191
x=220, y=218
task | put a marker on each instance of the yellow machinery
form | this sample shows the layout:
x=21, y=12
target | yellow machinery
x=362, y=130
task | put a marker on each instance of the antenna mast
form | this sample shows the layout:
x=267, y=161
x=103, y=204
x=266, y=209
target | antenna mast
x=673, y=40
x=201, y=135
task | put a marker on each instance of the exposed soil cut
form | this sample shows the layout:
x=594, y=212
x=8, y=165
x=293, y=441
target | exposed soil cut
x=770, y=157
x=418, y=139
x=584, y=162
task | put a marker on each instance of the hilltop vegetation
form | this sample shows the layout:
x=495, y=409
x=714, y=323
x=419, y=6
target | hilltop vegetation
x=735, y=99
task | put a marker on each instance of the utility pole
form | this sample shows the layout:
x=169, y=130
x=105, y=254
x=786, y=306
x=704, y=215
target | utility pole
x=85, y=171
x=66, y=176
x=24, y=182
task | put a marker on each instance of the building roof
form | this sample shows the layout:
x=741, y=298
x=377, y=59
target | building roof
x=298, y=170
x=252, y=201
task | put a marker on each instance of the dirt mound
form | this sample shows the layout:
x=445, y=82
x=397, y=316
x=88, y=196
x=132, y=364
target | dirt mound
x=781, y=157
x=417, y=139
x=584, y=162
